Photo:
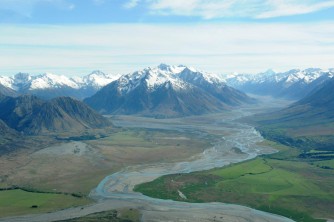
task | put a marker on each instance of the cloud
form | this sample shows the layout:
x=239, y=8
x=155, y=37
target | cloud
x=122, y=48
x=286, y=8
x=131, y=4
x=209, y=9
x=26, y=7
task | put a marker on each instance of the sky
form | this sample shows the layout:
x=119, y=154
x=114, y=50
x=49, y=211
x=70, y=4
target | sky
x=75, y=37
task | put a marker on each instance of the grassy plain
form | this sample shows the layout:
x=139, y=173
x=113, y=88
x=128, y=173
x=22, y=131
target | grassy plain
x=78, y=167
x=279, y=183
x=18, y=202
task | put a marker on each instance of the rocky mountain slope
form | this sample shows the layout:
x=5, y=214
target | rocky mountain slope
x=307, y=123
x=31, y=115
x=7, y=91
x=318, y=104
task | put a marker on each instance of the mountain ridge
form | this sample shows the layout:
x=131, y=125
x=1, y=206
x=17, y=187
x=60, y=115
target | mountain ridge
x=163, y=91
x=30, y=115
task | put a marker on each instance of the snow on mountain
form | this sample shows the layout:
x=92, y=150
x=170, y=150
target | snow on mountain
x=98, y=79
x=49, y=80
x=294, y=83
x=307, y=76
x=171, y=69
x=177, y=77
x=22, y=81
x=194, y=76
x=166, y=91
x=6, y=81
x=50, y=85
x=291, y=76
x=153, y=78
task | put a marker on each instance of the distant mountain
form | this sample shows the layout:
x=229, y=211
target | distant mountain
x=49, y=85
x=166, y=91
x=294, y=84
x=31, y=115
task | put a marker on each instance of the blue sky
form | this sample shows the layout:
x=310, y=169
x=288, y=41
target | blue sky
x=73, y=37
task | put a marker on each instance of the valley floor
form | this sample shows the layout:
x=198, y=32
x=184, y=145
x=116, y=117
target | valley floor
x=140, y=144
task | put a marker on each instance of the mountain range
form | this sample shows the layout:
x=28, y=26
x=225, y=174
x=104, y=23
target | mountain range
x=30, y=115
x=48, y=85
x=166, y=91
x=293, y=84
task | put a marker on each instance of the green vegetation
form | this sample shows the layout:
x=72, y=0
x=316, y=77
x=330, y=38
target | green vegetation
x=303, y=142
x=303, y=128
x=326, y=164
x=123, y=215
x=281, y=183
x=19, y=202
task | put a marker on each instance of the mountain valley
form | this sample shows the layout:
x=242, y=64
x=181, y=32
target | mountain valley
x=169, y=120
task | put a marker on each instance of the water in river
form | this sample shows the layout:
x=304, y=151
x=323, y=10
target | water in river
x=119, y=186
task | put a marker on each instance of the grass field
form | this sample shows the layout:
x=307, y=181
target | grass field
x=122, y=215
x=19, y=202
x=325, y=164
x=276, y=183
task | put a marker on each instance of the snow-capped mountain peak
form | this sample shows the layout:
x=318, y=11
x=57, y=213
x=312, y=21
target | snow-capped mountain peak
x=157, y=77
x=98, y=79
x=269, y=72
x=171, y=69
x=153, y=78
x=50, y=80
x=192, y=75
x=294, y=83
x=58, y=85
x=165, y=91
